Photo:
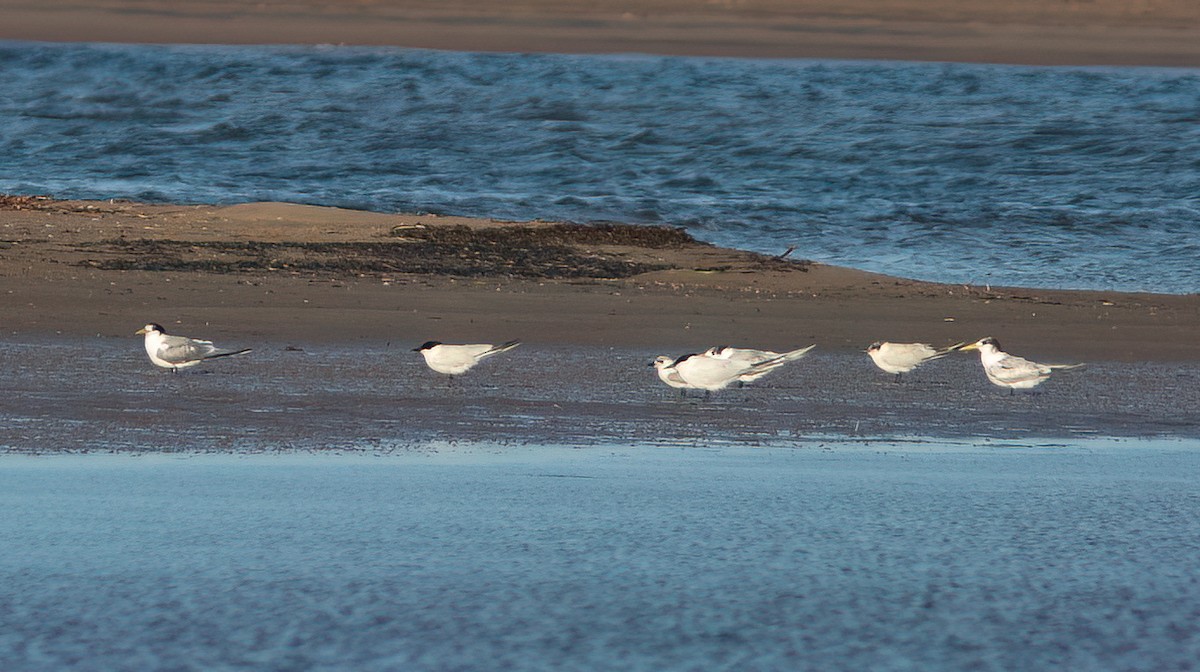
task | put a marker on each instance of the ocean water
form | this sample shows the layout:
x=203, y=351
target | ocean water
x=1064, y=556
x=1065, y=177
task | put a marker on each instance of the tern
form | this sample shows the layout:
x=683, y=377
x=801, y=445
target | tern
x=665, y=367
x=1011, y=371
x=750, y=357
x=900, y=358
x=716, y=368
x=453, y=360
x=179, y=352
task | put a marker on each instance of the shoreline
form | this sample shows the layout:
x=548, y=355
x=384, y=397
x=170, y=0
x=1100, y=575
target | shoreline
x=308, y=274
x=86, y=394
x=322, y=297
x=1027, y=32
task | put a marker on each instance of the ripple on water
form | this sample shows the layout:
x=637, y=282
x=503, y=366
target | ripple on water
x=978, y=173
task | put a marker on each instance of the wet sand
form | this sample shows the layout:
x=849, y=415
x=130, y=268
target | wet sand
x=1091, y=32
x=382, y=399
x=323, y=297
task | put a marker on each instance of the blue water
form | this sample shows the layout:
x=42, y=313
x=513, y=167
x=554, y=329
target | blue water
x=823, y=557
x=1069, y=177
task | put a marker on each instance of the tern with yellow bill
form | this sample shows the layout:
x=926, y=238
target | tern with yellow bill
x=1015, y=373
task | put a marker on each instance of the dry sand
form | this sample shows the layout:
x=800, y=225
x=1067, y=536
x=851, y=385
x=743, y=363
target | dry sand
x=293, y=273
x=1099, y=32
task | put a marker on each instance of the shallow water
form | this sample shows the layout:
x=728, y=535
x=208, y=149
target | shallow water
x=1060, y=177
x=1077, y=555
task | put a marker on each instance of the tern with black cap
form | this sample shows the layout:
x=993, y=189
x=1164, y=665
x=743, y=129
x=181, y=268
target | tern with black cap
x=180, y=352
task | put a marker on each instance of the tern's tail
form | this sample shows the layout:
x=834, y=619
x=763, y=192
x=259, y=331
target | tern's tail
x=786, y=357
x=766, y=366
x=942, y=352
x=794, y=354
x=502, y=348
x=227, y=353
x=1065, y=367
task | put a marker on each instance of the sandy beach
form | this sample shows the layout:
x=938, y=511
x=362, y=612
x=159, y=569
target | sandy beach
x=291, y=273
x=1093, y=32
x=333, y=301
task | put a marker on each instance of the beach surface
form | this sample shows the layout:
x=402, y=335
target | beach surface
x=1072, y=32
x=303, y=274
x=333, y=301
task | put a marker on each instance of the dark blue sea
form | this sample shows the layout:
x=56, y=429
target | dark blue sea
x=987, y=174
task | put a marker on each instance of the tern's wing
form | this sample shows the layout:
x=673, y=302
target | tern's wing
x=497, y=349
x=908, y=354
x=1011, y=369
x=761, y=368
x=708, y=372
x=754, y=374
x=180, y=349
x=923, y=352
x=789, y=356
x=466, y=353
x=671, y=377
x=750, y=355
x=455, y=356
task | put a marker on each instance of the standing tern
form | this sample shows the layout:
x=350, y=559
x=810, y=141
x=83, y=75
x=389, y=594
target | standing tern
x=179, y=352
x=717, y=368
x=665, y=366
x=453, y=360
x=900, y=358
x=1011, y=371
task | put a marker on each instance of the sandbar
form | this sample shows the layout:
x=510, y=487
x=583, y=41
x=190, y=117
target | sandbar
x=1069, y=32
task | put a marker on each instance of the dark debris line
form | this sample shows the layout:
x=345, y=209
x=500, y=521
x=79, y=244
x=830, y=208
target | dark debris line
x=539, y=251
x=550, y=251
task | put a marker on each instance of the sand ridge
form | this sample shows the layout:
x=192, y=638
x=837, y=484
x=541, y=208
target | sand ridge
x=1070, y=32
x=291, y=273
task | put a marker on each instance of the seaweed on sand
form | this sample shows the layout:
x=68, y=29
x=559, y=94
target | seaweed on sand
x=539, y=251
